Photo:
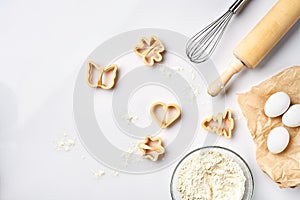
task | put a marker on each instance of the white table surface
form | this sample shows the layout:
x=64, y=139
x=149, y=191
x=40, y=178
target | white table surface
x=42, y=47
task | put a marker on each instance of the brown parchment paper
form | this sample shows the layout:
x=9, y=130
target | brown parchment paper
x=283, y=168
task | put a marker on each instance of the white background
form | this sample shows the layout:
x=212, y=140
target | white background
x=42, y=46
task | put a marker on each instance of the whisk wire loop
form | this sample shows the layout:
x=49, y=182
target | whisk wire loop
x=200, y=47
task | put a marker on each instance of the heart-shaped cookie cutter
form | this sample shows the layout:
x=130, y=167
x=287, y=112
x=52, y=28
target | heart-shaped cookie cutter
x=164, y=122
x=151, y=148
x=220, y=124
x=100, y=84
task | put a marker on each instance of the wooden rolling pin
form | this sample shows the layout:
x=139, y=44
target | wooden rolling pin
x=259, y=41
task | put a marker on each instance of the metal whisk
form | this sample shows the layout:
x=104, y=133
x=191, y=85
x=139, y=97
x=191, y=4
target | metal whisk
x=200, y=47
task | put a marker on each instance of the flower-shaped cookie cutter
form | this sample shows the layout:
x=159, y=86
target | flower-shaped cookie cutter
x=151, y=148
x=220, y=124
x=150, y=50
x=103, y=71
x=165, y=120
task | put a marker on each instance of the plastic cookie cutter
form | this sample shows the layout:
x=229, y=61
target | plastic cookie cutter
x=150, y=50
x=151, y=148
x=171, y=112
x=108, y=73
x=220, y=124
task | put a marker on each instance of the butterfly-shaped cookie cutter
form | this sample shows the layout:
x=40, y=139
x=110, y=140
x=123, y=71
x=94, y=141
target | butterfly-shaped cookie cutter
x=102, y=70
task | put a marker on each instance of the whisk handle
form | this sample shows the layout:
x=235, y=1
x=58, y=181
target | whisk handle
x=237, y=6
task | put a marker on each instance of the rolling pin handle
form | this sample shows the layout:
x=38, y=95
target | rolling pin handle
x=216, y=86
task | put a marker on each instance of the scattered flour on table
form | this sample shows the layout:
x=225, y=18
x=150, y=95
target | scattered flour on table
x=66, y=143
x=130, y=118
x=98, y=174
x=193, y=76
x=166, y=71
x=211, y=176
x=178, y=68
x=130, y=156
x=115, y=173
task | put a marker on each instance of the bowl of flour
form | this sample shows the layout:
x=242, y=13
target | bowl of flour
x=212, y=173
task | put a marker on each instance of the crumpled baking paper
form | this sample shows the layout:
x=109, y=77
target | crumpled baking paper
x=283, y=168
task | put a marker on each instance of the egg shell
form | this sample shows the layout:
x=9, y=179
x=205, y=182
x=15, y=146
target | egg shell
x=277, y=104
x=292, y=117
x=278, y=140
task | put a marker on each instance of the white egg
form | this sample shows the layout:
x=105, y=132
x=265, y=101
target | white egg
x=277, y=104
x=278, y=139
x=292, y=117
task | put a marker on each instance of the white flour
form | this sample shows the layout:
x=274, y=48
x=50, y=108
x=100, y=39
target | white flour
x=211, y=176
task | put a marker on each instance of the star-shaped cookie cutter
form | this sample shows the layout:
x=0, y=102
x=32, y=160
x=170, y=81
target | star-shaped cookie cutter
x=102, y=72
x=151, y=148
x=150, y=50
x=164, y=122
x=220, y=124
